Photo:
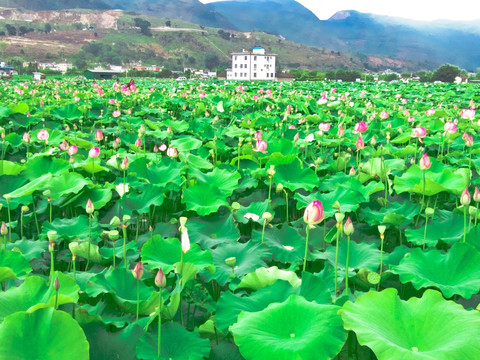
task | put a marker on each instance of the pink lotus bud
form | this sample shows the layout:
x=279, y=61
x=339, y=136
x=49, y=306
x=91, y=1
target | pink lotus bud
x=360, y=143
x=138, y=271
x=56, y=284
x=340, y=132
x=138, y=142
x=141, y=131
x=26, y=137
x=72, y=150
x=185, y=241
x=4, y=229
x=169, y=130
x=411, y=119
x=465, y=198
x=155, y=149
x=116, y=113
x=43, y=135
x=360, y=127
x=258, y=136
x=261, y=146
x=476, y=195
x=296, y=137
x=450, y=127
x=64, y=145
x=419, y=132
x=162, y=147
x=172, y=152
x=430, y=112
x=425, y=162
x=71, y=160
x=324, y=127
x=99, y=135
x=89, y=208
x=384, y=115
x=94, y=152
x=160, y=279
x=313, y=213
x=124, y=164
x=291, y=127
x=373, y=141
x=111, y=101
x=352, y=171
x=348, y=228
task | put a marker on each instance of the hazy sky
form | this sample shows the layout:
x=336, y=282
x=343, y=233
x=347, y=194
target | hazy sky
x=411, y=9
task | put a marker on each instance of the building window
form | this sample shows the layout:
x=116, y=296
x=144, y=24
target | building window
x=245, y=66
x=235, y=66
x=241, y=66
x=254, y=58
x=272, y=75
x=235, y=74
x=267, y=74
x=235, y=58
x=245, y=58
x=254, y=74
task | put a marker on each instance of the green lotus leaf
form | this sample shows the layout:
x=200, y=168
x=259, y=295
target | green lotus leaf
x=10, y=183
x=176, y=344
x=68, y=183
x=98, y=196
x=4, y=111
x=456, y=272
x=225, y=181
x=10, y=168
x=82, y=250
x=185, y=144
x=374, y=168
x=46, y=334
x=293, y=177
x=362, y=255
x=294, y=329
x=263, y=277
x=198, y=162
x=122, y=286
x=203, y=198
x=13, y=265
x=140, y=203
x=68, y=112
x=257, y=208
x=209, y=231
x=162, y=174
x=30, y=249
x=35, y=293
x=420, y=328
x=20, y=108
x=42, y=165
x=448, y=229
x=164, y=253
x=89, y=166
x=396, y=214
x=248, y=257
x=71, y=229
x=286, y=243
x=30, y=187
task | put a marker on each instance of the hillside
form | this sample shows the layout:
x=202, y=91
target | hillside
x=41, y=5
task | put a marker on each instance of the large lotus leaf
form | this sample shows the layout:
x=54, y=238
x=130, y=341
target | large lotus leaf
x=198, y=162
x=209, y=231
x=248, y=258
x=396, y=214
x=455, y=273
x=176, y=344
x=13, y=265
x=68, y=112
x=203, y=198
x=374, y=168
x=224, y=180
x=164, y=253
x=263, y=277
x=454, y=181
x=186, y=143
x=67, y=183
x=286, y=243
x=121, y=284
x=10, y=183
x=420, y=328
x=449, y=229
x=257, y=208
x=10, y=168
x=167, y=172
x=42, y=165
x=45, y=334
x=98, y=196
x=71, y=229
x=151, y=195
x=293, y=177
x=349, y=200
x=30, y=187
x=83, y=250
x=30, y=249
x=343, y=180
x=294, y=329
x=36, y=292
x=362, y=255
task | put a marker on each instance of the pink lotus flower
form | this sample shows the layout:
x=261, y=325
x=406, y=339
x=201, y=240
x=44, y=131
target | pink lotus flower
x=258, y=136
x=64, y=145
x=111, y=101
x=465, y=198
x=476, y=195
x=384, y=115
x=467, y=114
x=450, y=127
x=99, y=135
x=43, y=135
x=425, y=162
x=261, y=146
x=116, y=113
x=348, y=229
x=124, y=164
x=89, y=209
x=172, y=152
x=411, y=119
x=138, y=271
x=340, y=132
x=138, y=143
x=94, y=152
x=419, y=132
x=3, y=229
x=360, y=127
x=430, y=112
x=324, y=127
x=468, y=140
x=291, y=127
x=352, y=171
x=255, y=97
x=26, y=137
x=72, y=150
x=360, y=143
x=314, y=213
x=163, y=147
x=160, y=279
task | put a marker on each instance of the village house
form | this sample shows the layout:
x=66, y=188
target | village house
x=252, y=65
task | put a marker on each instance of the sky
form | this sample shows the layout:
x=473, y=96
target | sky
x=426, y=10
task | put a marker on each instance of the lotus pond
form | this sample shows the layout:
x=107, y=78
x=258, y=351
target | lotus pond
x=239, y=221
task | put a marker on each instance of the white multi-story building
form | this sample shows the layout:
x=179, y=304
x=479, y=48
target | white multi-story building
x=252, y=65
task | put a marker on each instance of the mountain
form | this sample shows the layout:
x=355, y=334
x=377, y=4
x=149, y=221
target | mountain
x=39, y=5
x=354, y=32
x=192, y=11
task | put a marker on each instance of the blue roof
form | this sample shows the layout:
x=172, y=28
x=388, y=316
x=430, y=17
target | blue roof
x=6, y=67
x=257, y=47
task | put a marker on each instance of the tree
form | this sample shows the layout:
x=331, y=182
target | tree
x=47, y=28
x=211, y=61
x=11, y=30
x=168, y=23
x=446, y=73
x=144, y=26
x=22, y=30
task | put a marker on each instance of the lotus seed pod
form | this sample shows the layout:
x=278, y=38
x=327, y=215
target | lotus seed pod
x=115, y=221
x=231, y=261
x=267, y=216
x=52, y=235
x=373, y=278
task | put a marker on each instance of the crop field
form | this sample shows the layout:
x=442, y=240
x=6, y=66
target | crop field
x=222, y=220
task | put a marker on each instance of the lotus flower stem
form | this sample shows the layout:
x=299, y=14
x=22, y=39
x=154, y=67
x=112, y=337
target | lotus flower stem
x=263, y=230
x=382, y=238
x=5, y=243
x=476, y=215
x=270, y=189
x=138, y=226
x=425, y=232
x=306, y=248
x=465, y=210
x=9, y=222
x=93, y=170
x=336, y=259
x=286, y=207
x=346, y=264
x=21, y=224
x=159, y=335
x=35, y=215
x=114, y=254
x=89, y=240
x=124, y=228
x=138, y=299
x=74, y=267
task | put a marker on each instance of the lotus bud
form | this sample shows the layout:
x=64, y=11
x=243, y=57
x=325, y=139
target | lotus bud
x=56, y=284
x=185, y=241
x=99, y=135
x=476, y=195
x=169, y=130
x=336, y=205
x=172, y=152
x=52, y=235
x=155, y=149
x=94, y=152
x=425, y=162
x=25, y=209
x=160, y=279
x=124, y=164
x=373, y=141
x=352, y=171
x=348, y=228
x=313, y=213
x=26, y=137
x=465, y=198
x=89, y=207
x=360, y=144
x=72, y=150
x=115, y=221
x=141, y=131
x=231, y=261
x=4, y=229
x=51, y=246
x=138, y=271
